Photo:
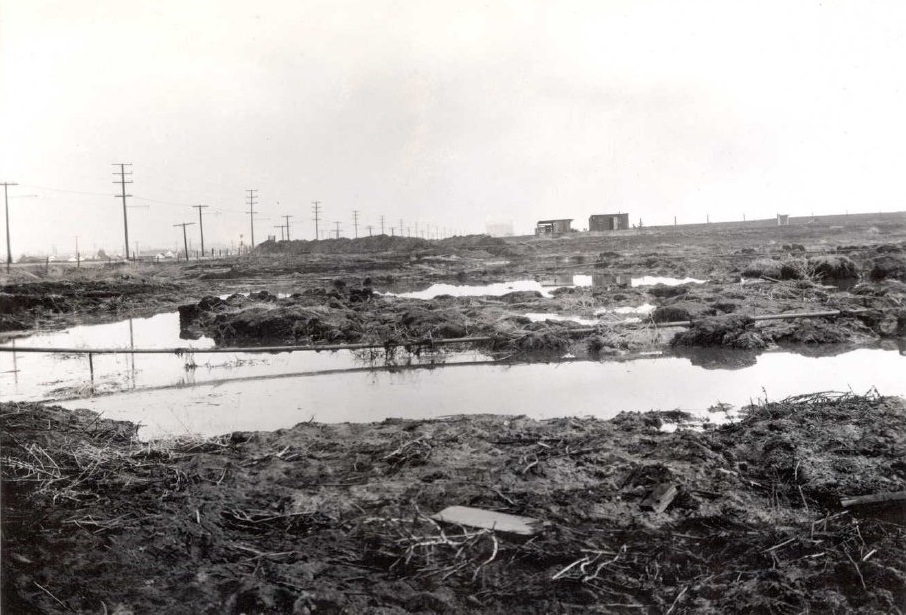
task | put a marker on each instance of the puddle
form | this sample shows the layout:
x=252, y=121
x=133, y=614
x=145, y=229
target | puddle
x=489, y=290
x=544, y=286
x=651, y=280
x=542, y=316
x=603, y=315
x=209, y=394
x=37, y=376
x=537, y=390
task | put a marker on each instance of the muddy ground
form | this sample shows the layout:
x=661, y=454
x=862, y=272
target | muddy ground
x=336, y=518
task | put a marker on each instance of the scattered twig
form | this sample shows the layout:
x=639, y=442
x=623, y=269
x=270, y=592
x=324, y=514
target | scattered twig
x=47, y=591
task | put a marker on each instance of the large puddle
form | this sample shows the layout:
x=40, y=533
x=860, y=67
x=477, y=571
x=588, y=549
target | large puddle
x=537, y=390
x=210, y=394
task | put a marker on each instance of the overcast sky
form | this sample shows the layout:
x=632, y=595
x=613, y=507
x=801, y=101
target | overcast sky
x=452, y=113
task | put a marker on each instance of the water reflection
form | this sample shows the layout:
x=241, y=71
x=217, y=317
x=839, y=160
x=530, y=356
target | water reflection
x=544, y=285
x=38, y=376
x=537, y=390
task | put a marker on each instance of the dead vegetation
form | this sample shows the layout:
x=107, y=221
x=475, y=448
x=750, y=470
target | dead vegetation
x=337, y=518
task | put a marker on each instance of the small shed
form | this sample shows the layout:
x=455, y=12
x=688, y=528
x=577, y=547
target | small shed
x=608, y=222
x=553, y=227
x=783, y=220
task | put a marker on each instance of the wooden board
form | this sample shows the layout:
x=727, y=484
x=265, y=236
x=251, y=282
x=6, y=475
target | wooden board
x=489, y=519
x=660, y=497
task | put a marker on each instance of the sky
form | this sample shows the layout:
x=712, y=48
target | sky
x=445, y=115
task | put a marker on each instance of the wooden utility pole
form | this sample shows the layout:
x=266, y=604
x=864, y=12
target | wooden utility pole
x=355, y=222
x=281, y=227
x=252, y=201
x=287, y=226
x=185, y=241
x=338, y=229
x=122, y=182
x=200, y=225
x=9, y=250
x=382, y=225
x=369, y=227
x=316, y=207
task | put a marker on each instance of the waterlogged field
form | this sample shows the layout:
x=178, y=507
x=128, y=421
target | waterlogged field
x=733, y=463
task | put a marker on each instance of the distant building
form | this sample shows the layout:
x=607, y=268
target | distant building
x=549, y=228
x=499, y=229
x=783, y=220
x=608, y=222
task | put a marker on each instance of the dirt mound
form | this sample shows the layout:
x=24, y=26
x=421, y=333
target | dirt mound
x=732, y=330
x=22, y=304
x=681, y=310
x=344, y=245
x=832, y=267
x=891, y=266
x=785, y=269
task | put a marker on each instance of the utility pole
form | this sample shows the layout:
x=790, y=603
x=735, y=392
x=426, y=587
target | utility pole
x=287, y=226
x=382, y=225
x=9, y=250
x=200, y=225
x=185, y=242
x=122, y=182
x=401, y=227
x=369, y=227
x=338, y=229
x=355, y=222
x=317, y=209
x=252, y=201
x=281, y=227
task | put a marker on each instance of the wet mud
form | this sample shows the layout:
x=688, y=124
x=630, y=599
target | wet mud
x=336, y=518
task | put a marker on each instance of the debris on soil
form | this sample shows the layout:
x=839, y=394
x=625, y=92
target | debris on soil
x=337, y=518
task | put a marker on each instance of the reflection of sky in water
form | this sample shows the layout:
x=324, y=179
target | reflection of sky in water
x=537, y=390
x=37, y=376
x=545, y=286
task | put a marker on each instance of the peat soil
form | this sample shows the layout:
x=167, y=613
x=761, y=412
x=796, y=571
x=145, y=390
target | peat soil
x=865, y=290
x=326, y=518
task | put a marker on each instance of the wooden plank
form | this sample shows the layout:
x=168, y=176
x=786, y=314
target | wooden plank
x=490, y=519
x=660, y=497
x=876, y=498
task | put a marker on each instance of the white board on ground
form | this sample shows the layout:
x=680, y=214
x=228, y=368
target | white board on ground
x=489, y=519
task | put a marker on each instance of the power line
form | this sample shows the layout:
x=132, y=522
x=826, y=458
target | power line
x=200, y=225
x=122, y=182
x=9, y=250
x=252, y=196
x=317, y=209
